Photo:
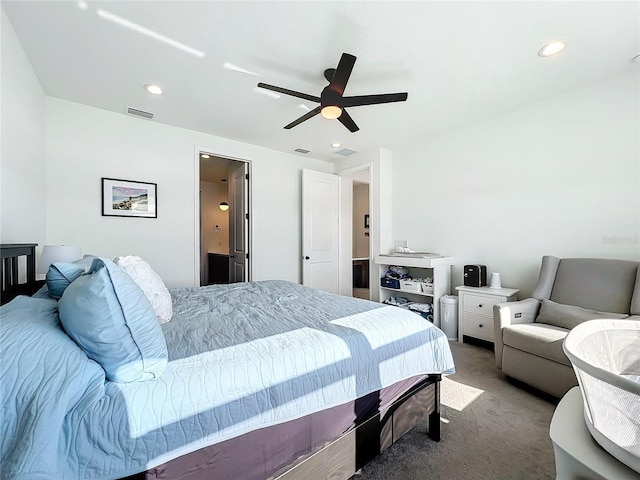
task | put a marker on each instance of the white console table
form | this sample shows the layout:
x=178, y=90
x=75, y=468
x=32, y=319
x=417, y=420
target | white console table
x=438, y=267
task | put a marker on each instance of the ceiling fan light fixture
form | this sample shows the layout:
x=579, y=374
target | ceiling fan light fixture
x=333, y=103
x=331, y=112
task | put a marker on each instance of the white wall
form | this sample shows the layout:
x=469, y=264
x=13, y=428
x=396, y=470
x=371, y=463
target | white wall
x=22, y=155
x=86, y=143
x=561, y=177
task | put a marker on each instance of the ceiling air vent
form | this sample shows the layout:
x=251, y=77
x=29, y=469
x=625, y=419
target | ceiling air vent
x=345, y=152
x=302, y=150
x=139, y=113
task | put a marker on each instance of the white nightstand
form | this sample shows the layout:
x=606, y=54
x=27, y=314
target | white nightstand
x=475, y=310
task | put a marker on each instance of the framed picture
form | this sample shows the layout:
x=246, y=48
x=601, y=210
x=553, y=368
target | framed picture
x=127, y=198
x=366, y=221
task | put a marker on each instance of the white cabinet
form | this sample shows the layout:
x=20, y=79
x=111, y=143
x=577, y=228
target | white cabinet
x=437, y=267
x=475, y=310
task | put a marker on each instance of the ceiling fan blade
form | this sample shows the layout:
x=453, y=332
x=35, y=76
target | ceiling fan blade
x=348, y=122
x=360, y=100
x=285, y=91
x=342, y=73
x=305, y=117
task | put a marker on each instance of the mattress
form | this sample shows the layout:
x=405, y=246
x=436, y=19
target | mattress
x=241, y=357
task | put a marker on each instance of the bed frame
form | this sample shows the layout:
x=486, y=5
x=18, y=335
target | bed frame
x=338, y=459
x=10, y=254
x=341, y=458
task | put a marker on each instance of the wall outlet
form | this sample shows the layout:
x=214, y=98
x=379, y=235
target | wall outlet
x=400, y=243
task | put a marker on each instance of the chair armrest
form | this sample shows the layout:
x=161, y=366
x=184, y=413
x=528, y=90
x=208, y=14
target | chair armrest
x=510, y=313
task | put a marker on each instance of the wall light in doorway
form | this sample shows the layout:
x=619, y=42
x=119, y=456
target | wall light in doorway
x=224, y=206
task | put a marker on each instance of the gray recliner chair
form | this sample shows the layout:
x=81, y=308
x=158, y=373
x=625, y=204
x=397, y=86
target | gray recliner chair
x=529, y=333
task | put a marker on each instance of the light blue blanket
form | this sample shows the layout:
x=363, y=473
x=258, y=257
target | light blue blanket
x=241, y=357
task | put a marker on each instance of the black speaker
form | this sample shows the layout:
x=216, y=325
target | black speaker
x=475, y=275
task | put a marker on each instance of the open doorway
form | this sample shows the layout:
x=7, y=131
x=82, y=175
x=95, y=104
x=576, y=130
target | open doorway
x=361, y=237
x=224, y=220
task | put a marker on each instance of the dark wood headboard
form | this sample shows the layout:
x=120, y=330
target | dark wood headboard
x=10, y=254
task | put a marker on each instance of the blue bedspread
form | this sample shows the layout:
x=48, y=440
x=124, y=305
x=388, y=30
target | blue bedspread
x=241, y=356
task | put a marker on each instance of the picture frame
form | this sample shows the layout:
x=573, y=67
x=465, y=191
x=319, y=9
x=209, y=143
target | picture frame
x=129, y=198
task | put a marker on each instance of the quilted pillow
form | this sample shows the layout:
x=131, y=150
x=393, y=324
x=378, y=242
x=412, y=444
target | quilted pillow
x=570, y=316
x=61, y=274
x=107, y=314
x=150, y=283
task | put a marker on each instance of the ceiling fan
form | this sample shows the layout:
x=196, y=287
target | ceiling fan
x=331, y=100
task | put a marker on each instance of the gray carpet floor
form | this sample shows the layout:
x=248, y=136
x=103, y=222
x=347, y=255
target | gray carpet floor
x=491, y=429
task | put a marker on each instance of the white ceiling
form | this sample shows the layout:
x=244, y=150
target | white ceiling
x=458, y=61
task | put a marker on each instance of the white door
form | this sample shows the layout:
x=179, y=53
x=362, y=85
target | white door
x=320, y=237
x=238, y=223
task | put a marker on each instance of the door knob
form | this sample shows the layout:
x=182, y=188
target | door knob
x=306, y=258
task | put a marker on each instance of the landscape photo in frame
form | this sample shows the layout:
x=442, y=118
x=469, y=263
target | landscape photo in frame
x=128, y=198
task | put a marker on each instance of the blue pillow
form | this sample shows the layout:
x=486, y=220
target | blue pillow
x=108, y=315
x=61, y=274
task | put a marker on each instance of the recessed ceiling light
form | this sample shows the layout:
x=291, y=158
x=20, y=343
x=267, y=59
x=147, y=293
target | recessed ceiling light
x=552, y=48
x=151, y=88
x=336, y=144
x=204, y=155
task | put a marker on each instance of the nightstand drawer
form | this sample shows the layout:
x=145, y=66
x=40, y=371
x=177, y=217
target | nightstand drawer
x=478, y=326
x=480, y=304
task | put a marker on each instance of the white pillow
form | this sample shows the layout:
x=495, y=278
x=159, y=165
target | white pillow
x=150, y=283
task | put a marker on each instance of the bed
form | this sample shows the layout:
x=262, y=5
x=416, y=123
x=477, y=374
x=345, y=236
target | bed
x=10, y=263
x=265, y=379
